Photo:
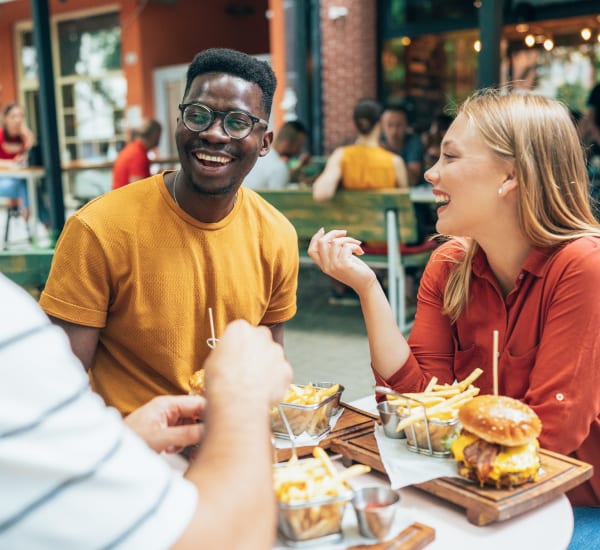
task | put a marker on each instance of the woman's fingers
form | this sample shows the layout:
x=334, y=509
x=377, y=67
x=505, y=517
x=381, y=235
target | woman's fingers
x=329, y=249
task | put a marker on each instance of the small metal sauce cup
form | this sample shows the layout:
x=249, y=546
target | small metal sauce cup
x=390, y=419
x=375, y=509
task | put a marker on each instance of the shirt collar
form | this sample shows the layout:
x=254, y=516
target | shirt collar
x=535, y=263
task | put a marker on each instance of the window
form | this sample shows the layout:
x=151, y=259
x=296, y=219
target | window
x=90, y=87
x=432, y=71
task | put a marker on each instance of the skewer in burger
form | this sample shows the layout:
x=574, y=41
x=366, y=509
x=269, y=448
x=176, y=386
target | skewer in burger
x=498, y=444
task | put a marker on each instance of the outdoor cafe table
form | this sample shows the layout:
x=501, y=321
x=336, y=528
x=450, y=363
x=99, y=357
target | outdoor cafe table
x=548, y=526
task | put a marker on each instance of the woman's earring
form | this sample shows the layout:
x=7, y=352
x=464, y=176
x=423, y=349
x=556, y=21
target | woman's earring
x=500, y=191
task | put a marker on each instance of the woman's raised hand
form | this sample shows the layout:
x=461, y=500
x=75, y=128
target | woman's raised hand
x=336, y=254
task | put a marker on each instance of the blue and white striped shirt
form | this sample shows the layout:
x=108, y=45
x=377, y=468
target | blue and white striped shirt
x=72, y=475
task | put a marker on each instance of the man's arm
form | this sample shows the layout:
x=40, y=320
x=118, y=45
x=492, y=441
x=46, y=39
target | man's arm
x=245, y=376
x=84, y=340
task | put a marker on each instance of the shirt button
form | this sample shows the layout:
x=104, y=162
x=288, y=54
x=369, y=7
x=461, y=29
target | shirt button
x=560, y=397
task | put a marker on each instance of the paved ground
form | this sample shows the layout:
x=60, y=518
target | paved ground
x=326, y=343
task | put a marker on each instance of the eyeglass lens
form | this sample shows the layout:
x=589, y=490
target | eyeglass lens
x=235, y=123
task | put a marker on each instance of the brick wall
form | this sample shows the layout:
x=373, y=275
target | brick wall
x=349, y=57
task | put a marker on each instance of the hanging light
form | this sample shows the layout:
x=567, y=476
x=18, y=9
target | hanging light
x=530, y=40
x=586, y=33
x=548, y=44
x=477, y=45
x=405, y=41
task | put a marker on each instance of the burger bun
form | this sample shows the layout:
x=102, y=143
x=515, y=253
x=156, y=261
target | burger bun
x=500, y=419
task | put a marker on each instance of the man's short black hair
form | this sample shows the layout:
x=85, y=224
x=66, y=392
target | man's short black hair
x=242, y=65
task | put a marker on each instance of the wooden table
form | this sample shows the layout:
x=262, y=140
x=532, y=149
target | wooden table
x=548, y=525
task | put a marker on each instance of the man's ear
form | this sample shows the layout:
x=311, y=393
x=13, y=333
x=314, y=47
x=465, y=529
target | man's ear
x=266, y=143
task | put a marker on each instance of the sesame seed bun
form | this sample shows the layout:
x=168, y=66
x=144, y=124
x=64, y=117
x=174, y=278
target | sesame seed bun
x=500, y=419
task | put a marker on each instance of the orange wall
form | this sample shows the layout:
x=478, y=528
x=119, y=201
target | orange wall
x=173, y=34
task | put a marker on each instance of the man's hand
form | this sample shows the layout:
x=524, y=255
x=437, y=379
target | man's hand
x=247, y=364
x=169, y=423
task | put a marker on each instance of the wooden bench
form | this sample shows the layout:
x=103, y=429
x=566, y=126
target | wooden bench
x=27, y=268
x=385, y=216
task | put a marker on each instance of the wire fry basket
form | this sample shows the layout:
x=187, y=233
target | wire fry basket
x=429, y=436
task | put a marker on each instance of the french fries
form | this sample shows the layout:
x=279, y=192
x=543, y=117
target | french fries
x=307, y=409
x=309, y=394
x=431, y=414
x=312, y=495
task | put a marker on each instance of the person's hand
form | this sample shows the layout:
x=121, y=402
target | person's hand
x=169, y=422
x=247, y=364
x=336, y=254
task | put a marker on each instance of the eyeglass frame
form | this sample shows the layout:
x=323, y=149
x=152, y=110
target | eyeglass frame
x=222, y=114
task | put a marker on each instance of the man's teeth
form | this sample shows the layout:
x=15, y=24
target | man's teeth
x=213, y=158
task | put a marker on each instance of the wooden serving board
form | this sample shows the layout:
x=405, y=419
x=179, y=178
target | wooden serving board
x=483, y=505
x=352, y=420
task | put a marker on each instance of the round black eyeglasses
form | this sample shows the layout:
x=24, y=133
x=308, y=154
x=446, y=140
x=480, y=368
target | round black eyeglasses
x=198, y=117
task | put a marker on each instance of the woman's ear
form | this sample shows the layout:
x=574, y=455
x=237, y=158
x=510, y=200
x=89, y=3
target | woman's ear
x=509, y=183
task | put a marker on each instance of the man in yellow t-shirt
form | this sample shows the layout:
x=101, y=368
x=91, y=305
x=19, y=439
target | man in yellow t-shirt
x=136, y=270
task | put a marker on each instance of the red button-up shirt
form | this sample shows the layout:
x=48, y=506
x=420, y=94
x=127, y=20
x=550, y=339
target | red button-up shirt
x=549, y=343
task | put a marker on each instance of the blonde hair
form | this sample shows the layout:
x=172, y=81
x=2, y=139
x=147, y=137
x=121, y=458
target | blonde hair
x=539, y=136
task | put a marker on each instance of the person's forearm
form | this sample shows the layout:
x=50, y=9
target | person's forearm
x=233, y=474
x=388, y=347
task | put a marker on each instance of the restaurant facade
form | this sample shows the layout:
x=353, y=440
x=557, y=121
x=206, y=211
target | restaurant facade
x=114, y=63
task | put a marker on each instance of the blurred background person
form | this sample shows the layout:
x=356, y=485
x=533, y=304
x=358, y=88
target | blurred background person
x=360, y=166
x=132, y=162
x=364, y=164
x=589, y=128
x=432, y=140
x=398, y=137
x=16, y=139
x=273, y=171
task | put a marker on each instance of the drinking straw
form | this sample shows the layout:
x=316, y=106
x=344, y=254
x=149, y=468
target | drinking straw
x=495, y=362
x=212, y=325
x=212, y=341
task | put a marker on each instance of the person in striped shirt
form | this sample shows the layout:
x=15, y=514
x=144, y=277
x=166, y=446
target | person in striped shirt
x=74, y=475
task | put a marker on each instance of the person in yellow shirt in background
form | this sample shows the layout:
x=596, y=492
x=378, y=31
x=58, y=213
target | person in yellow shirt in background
x=364, y=164
x=360, y=166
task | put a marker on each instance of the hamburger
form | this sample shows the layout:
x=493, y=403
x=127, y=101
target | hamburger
x=196, y=382
x=498, y=443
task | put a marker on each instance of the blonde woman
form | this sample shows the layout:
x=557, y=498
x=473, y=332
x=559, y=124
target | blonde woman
x=523, y=259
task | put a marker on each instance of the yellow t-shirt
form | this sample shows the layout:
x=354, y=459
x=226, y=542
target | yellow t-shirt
x=143, y=271
x=365, y=167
